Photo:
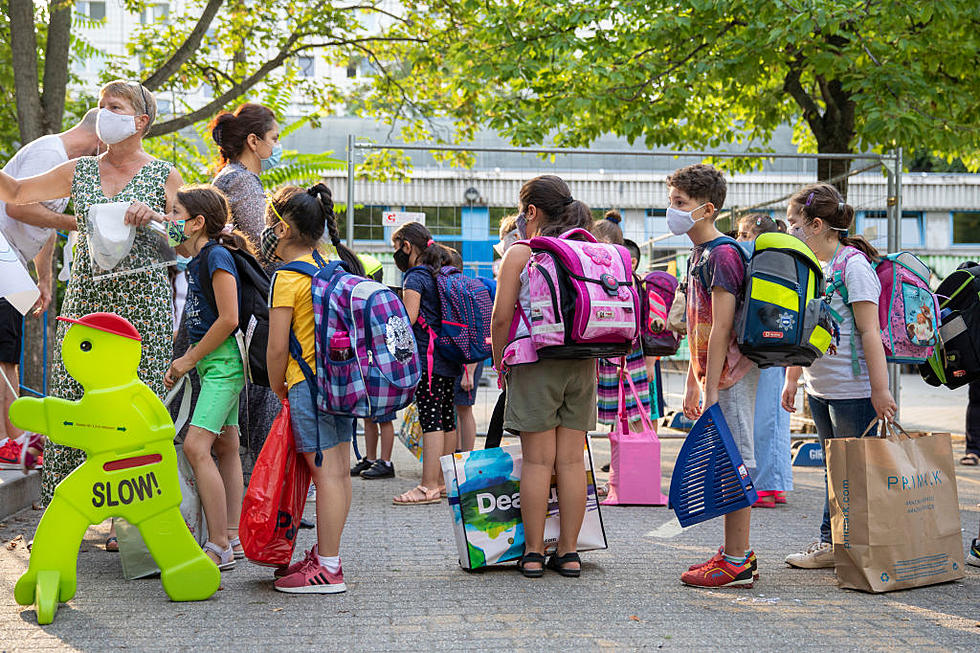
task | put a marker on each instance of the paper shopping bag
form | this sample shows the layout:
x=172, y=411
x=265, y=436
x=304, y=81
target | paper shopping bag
x=484, y=491
x=894, y=511
x=634, y=471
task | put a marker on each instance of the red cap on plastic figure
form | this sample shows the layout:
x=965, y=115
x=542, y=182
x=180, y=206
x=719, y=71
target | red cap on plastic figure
x=108, y=322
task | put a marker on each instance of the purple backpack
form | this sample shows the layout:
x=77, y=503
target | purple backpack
x=656, y=296
x=379, y=374
x=907, y=309
x=463, y=332
x=583, y=302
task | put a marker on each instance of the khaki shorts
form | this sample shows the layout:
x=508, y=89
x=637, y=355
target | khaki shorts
x=550, y=393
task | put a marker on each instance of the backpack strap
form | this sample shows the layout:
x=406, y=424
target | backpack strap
x=698, y=269
x=837, y=285
x=296, y=349
x=207, y=287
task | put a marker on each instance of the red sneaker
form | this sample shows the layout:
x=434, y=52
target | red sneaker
x=753, y=562
x=10, y=454
x=780, y=497
x=312, y=578
x=32, y=453
x=718, y=572
x=766, y=500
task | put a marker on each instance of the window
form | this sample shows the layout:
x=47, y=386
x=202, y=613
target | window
x=93, y=10
x=367, y=222
x=352, y=68
x=307, y=66
x=440, y=220
x=873, y=225
x=497, y=213
x=966, y=227
x=154, y=13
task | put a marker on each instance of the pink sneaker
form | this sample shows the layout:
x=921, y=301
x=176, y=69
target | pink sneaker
x=31, y=454
x=312, y=578
x=282, y=572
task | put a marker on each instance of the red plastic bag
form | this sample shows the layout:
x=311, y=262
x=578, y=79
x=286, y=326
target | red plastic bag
x=276, y=495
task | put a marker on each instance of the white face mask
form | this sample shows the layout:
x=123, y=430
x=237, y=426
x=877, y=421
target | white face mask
x=113, y=128
x=680, y=222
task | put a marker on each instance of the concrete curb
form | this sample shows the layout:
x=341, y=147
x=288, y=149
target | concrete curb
x=18, y=491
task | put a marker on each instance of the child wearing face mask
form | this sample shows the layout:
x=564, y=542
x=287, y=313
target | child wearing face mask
x=201, y=214
x=296, y=220
x=843, y=401
x=420, y=258
x=718, y=372
x=773, y=474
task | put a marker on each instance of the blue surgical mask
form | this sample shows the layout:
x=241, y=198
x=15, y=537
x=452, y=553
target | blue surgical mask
x=273, y=159
x=182, y=262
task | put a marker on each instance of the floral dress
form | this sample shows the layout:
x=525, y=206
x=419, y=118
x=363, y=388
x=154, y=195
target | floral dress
x=144, y=298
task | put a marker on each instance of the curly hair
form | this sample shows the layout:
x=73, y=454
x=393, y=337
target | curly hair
x=700, y=182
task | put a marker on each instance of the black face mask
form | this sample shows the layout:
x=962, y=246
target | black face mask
x=401, y=260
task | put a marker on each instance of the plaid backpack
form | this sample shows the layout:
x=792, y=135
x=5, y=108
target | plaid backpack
x=463, y=333
x=381, y=374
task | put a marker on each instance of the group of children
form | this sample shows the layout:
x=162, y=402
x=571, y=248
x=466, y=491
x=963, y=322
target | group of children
x=550, y=403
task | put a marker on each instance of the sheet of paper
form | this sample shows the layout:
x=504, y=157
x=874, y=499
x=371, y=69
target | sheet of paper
x=16, y=285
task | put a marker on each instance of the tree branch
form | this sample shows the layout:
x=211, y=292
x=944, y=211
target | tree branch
x=23, y=47
x=56, y=63
x=186, y=49
x=811, y=112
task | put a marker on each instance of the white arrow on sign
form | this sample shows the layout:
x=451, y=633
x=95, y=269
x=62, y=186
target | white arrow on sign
x=398, y=218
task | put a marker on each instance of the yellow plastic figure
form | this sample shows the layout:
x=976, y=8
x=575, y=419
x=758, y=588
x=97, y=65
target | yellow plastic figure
x=130, y=470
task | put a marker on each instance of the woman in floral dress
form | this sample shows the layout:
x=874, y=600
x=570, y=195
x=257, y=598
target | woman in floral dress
x=125, y=173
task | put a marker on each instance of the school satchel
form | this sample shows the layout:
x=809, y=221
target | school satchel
x=252, y=335
x=894, y=510
x=956, y=358
x=657, y=291
x=783, y=320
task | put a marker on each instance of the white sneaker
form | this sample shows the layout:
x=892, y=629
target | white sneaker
x=311, y=493
x=819, y=555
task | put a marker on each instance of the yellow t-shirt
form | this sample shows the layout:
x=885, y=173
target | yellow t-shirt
x=292, y=290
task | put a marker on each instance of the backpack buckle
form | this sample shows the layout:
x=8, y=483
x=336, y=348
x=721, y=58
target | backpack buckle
x=609, y=284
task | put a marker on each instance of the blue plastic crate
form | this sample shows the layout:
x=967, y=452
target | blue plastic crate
x=709, y=478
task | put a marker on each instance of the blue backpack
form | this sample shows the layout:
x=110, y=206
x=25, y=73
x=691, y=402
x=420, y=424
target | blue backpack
x=783, y=319
x=378, y=375
x=463, y=333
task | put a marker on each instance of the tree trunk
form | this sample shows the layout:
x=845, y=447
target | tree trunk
x=23, y=47
x=835, y=169
x=56, y=64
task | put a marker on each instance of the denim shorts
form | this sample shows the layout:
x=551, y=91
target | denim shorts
x=467, y=397
x=334, y=429
x=222, y=379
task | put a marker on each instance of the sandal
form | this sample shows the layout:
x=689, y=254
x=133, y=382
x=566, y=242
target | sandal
x=236, y=545
x=970, y=460
x=112, y=544
x=558, y=563
x=411, y=498
x=225, y=558
x=602, y=491
x=536, y=572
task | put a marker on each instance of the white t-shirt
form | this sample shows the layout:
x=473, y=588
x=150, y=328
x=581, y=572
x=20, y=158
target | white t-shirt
x=831, y=376
x=35, y=158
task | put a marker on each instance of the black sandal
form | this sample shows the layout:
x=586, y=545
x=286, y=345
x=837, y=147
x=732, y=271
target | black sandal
x=531, y=557
x=558, y=563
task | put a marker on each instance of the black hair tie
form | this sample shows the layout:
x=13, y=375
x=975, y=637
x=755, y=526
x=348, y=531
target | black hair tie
x=567, y=201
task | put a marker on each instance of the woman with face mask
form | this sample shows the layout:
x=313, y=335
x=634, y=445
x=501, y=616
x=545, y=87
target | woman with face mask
x=248, y=144
x=142, y=294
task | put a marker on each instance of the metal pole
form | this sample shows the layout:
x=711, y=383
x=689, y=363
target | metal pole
x=894, y=245
x=350, y=191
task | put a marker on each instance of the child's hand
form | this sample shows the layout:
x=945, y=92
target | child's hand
x=788, y=399
x=884, y=404
x=178, y=368
x=692, y=402
x=281, y=392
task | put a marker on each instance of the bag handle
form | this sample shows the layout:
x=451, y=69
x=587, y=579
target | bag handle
x=624, y=423
x=184, y=412
x=579, y=231
x=889, y=431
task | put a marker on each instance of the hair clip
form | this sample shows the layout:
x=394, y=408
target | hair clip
x=228, y=228
x=568, y=200
x=216, y=135
x=840, y=207
x=809, y=199
x=430, y=243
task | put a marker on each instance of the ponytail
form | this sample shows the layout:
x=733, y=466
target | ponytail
x=859, y=243
x=550, y=195
x=325, y=199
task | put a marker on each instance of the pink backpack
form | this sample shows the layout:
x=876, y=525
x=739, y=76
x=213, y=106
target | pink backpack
x=583, y=301
x=907, y=309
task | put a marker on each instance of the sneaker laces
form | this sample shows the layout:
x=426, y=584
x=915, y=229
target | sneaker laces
x=816, y=547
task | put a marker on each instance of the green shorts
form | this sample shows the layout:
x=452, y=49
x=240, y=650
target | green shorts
x=222, y=379
x=552, y=392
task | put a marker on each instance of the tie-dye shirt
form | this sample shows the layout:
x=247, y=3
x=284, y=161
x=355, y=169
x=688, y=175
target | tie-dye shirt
x=723, y=267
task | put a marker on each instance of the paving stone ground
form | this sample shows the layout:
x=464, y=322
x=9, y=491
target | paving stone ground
x=406, y=591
